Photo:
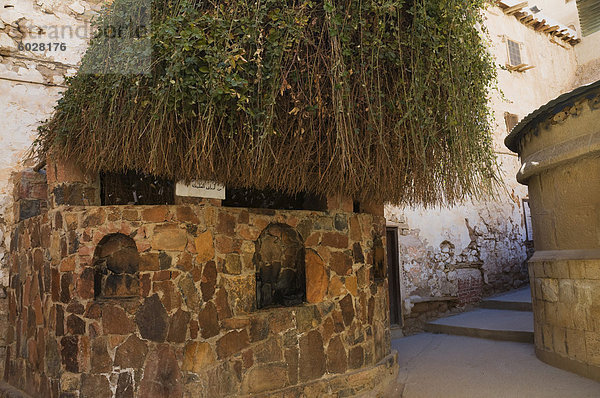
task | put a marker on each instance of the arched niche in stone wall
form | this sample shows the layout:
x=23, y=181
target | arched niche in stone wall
x=116, y=267
x=280, y=267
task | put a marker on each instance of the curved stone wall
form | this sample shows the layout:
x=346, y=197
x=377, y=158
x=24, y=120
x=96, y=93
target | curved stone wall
x=193, y=329
x=560, y=152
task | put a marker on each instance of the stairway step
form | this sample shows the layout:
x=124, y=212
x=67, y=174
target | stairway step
x=491, y=324
x=516, y=300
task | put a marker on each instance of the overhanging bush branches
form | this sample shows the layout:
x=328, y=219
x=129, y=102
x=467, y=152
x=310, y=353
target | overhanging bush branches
x=380, y=100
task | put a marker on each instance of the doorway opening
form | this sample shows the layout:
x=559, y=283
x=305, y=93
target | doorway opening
x=393, y=263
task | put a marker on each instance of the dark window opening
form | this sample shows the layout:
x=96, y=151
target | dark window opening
x=116, y=266
x=280, y=273
x=133, y=188
x=271, y=199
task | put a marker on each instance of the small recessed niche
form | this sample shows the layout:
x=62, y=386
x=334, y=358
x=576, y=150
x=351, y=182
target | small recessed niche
x=280, y=268
x=116, y=267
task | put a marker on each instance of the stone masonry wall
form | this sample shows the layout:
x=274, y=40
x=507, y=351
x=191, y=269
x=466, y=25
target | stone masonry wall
x=193, y=329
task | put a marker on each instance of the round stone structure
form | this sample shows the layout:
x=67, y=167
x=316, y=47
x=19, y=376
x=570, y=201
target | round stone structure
x=559, y=146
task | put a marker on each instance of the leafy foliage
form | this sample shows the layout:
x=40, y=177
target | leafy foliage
x=380, y=100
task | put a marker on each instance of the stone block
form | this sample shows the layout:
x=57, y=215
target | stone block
x=550, y=289
x=232, y=343
x=317, y=281
x=116, y=321
x=205, y=247
x=592, y=344
x=151, y=319
x=197, y=356
x=312, y=361
x=264, y=378
x=559, y=340
x=208, y=320
x=131, y=353
x=337, y=361
x=169, y=237
x=96, y=386
x=576, y=345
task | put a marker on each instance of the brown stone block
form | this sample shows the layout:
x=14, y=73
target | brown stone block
x=190, y=294
x=268, y=351
x=115, y=320
x=347, y=307
x=317, y=281
x=162, y=377
x=197, y=356
x=222, y=303
x=226, y=224
x=576, y=269
x=186, y=214
x=75, y=325
x=264, y=378
x=208, y=281
x=335, y=240
x=337, y=361
x=171, y=297
x=125, y=386
x=232, y=343
x=341, y=263
x=149, y=262
x=356, y=357
x=204, y=247
x=232, y=264
x=69, y=353
x=550, y=289
x=151, y=319
x=155, y=214
x=208, y=320
x=169, y=237
x=312, y=361
x=592, y=270
x=547, y=333
x=178, y=326
x=131, y=353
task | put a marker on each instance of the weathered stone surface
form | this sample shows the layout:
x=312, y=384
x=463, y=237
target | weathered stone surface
x=190, y=293
x=335, y=239
x=197, y=356
x=169, y=237
x=263, y=378
x=69, y=350
x=131, y=353
x=317, y=281
x=96, y=386
x=355, y=357
x=75, y=325
x=347, y=307
x=155, y=214
x=151, y=319
x=222, y=304
x=100, y=359
x=205, y=249
x=208, y=281
x=312, y=359
x=226, y=224
x=116, y=321
x=149, y=262
x=124, y=386
x=357, y=253
x=341, y=263
x=162, y=377
x=171, y=298
x=232, y=264
x=337, y=362
x=178, y=326
x=208, y=320
x=232, y=343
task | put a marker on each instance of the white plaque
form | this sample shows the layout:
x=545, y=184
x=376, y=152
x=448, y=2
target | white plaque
x=201, y=189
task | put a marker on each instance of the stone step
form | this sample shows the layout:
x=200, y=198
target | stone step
x=503, y=325
x=516, y=300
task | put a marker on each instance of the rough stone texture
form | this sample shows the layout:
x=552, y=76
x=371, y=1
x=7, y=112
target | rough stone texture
x=192, y=328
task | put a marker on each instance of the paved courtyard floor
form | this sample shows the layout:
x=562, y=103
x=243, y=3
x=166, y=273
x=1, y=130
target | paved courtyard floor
x=443, y=366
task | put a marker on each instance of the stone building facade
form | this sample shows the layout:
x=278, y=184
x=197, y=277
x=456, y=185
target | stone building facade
x=165, y=301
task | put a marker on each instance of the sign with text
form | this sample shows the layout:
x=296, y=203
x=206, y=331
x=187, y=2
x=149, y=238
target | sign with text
x=201, y=189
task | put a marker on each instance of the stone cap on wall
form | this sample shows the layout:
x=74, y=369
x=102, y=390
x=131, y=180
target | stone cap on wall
x=531, y=122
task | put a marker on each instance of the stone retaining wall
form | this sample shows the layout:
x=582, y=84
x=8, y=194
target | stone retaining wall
x=192, y=329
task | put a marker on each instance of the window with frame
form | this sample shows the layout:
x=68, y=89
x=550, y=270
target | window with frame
x=514, y=53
